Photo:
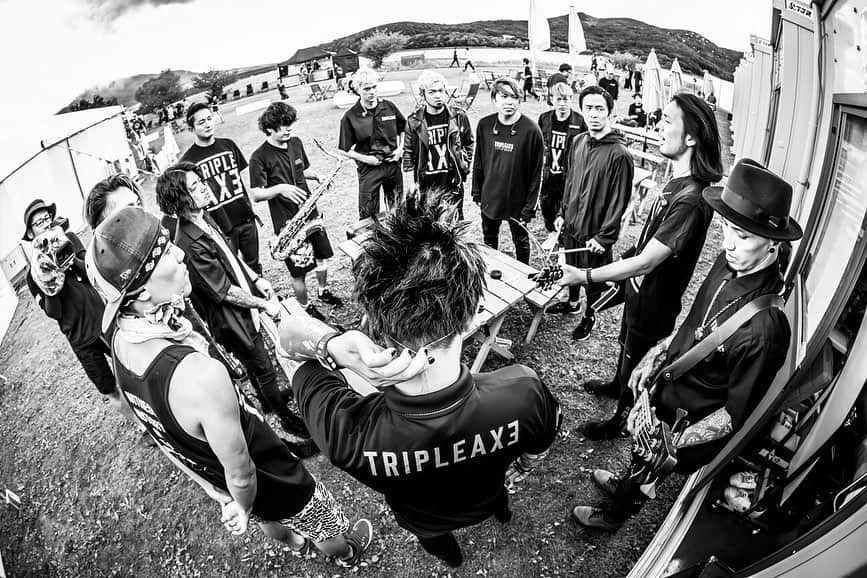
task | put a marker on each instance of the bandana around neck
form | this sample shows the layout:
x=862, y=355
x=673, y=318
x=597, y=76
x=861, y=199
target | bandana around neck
x=166, y=321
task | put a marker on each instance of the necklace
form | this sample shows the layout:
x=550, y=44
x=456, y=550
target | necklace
x=706, y=324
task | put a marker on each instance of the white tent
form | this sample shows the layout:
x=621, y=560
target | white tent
x=58, y=159
x=675, y=79
x=651, y=90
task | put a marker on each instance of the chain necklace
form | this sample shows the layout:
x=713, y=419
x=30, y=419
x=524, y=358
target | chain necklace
x=706, y=324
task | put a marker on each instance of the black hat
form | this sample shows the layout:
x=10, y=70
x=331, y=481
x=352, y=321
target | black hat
x=756, y=200
x=32, y=208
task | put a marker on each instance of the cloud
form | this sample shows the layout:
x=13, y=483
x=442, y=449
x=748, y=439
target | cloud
x=111, y=10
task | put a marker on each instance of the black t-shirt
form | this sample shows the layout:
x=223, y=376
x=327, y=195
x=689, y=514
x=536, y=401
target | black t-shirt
x=283, y=485
x=678, y=219
x=77, y=308
x=438, y=458
x=557, y=146
x=437, y=172
x=271, y=165
x=221, y=164
x=610, y=85
x=637, y=110
x=373, y=131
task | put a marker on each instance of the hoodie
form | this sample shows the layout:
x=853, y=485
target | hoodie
x=598, y=188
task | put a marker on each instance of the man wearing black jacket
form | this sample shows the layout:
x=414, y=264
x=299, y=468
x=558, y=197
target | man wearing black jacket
x=439, y=443
x=438, y=144
x=226, y=293
x=508, y=168
x=598, y=187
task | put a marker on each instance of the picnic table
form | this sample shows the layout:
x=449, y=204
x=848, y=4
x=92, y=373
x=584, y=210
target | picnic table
x=641, y=135
x=500, y=296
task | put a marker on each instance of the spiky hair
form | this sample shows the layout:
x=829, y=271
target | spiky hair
x=419, y=278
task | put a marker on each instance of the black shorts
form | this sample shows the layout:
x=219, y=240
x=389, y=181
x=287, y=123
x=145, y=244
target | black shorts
x=320, y=248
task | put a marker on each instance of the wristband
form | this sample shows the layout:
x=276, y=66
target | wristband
x=589, y=276
x=322, y=356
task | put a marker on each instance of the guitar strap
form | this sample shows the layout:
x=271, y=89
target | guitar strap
x=706, y=346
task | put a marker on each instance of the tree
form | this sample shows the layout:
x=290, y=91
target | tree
x=214, y=81
x=622, y=59
x=159, y=91
x=82, y=103
x=380, y=44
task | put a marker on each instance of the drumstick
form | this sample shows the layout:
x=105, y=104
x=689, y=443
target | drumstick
x=578, y=250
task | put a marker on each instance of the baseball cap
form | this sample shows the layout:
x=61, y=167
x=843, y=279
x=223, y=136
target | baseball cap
x=125, y=248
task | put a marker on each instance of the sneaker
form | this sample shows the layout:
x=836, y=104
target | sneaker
x=359, y=540
x=607, y=429
x=313, y=312
x=744, y=480
x=330, y=298
x=305, y=552
x=602, y=387
x=293, y=424
x=584, y=328
x=564, y=308
x=606, y=481
x=598, y=518
x=551, y=242
x=737, y=499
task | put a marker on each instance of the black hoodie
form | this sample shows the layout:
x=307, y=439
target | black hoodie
x=598, y=188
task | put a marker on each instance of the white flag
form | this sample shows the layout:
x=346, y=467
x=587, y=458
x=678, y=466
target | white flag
x=540, y=34
x=577, y=43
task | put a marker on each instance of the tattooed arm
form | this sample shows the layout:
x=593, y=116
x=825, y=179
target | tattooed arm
x=713, y=427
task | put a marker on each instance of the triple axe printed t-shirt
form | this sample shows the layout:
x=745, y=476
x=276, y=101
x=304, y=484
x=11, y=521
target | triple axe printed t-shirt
x=559, y=134
x=437, y=173
x=221, y=164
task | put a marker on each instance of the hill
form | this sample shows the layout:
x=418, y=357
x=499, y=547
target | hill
x=694, y=51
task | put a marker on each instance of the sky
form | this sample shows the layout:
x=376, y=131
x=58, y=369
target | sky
x=58, y=48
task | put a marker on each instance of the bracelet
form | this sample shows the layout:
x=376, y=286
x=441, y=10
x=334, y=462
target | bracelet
x=322, y=356
x=589, y=276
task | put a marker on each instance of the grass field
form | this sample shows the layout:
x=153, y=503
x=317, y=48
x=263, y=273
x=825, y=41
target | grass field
x=94, y=503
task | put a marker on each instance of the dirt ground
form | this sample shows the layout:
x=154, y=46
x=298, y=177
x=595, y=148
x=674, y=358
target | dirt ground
x=95, y=503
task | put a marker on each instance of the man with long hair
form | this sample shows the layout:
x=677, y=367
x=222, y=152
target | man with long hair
x=656, y=271
x=228, y=294
x=439, y=441
x=279, y=170
x=189, y=405
x=717, y=393
x=438, y=144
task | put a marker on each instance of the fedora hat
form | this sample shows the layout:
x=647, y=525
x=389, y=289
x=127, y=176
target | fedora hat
x=32, y=209
x=756, y=200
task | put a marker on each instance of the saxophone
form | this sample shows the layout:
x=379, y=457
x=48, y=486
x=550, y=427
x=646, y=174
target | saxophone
x=291, y=241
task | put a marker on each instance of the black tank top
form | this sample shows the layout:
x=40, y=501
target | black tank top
x=283, y=484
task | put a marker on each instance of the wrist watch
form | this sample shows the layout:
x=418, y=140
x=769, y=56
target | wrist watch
x=321, y=353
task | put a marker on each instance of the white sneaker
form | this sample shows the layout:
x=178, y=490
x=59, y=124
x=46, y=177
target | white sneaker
x=744, y=480
x=551, y=242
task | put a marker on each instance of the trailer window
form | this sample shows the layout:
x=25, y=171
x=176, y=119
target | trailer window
x=847, y=204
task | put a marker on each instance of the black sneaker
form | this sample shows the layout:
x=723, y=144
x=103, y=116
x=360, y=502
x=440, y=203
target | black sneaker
x=293, y=424
x=330, y=298
x=601, y=387
x=564, y=308
x=359, y=540
x=606, y=481
x=584, y=328
x=313, y=312
x=595, y=518
x=603, y=429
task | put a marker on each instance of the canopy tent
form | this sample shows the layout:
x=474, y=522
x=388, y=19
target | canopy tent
x=58, y=159
x=307, y=55
x=347, y=59
x=675, y=79
x=651, y=90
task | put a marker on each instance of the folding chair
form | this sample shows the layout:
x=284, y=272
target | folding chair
x=328, y=91
x=465, y=101
x=316, y=92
